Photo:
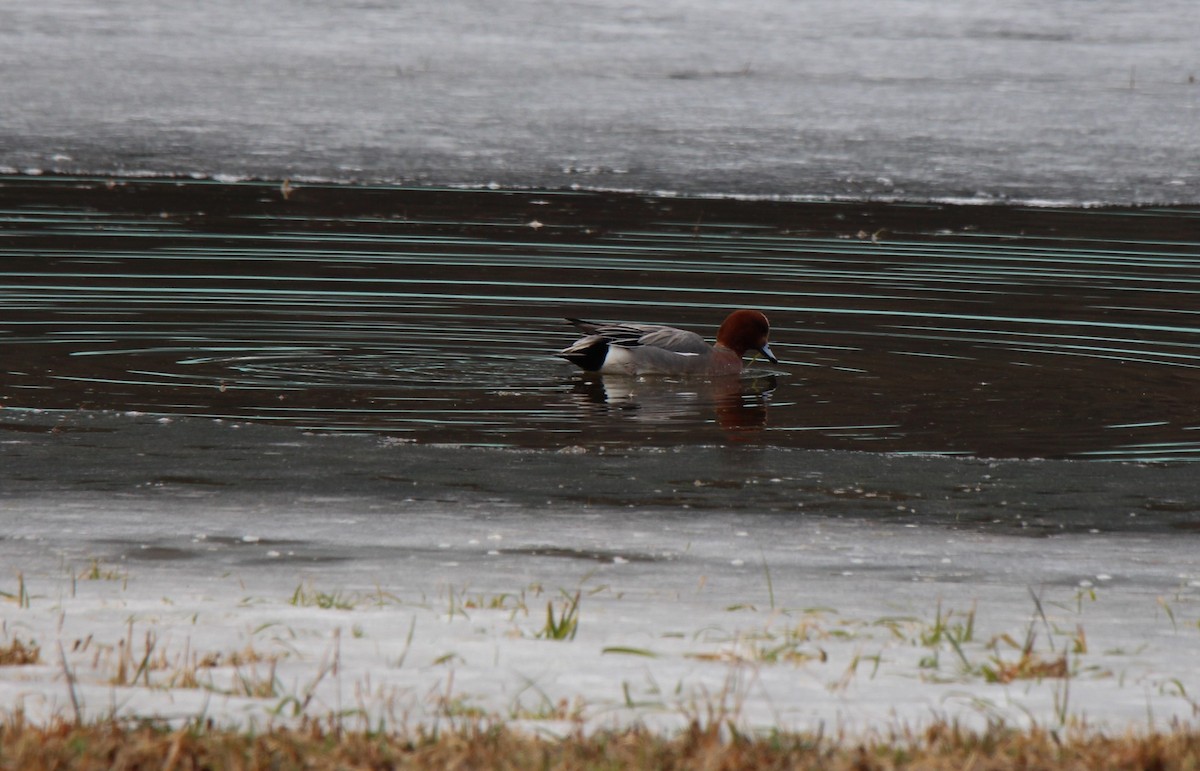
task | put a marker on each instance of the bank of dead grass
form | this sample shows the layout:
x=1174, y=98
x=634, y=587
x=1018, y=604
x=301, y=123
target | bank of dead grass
x=943, y=746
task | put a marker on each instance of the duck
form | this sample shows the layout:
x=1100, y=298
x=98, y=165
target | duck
x=653, y=349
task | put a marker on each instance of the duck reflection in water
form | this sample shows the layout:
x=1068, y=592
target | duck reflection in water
x=740, y=404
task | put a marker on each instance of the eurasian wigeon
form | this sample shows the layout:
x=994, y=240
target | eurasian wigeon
x=651, y=349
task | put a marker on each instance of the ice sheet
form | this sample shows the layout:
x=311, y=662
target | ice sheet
x=1065, y=101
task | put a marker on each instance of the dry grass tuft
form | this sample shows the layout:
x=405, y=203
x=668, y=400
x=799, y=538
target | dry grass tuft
x=1030, y=666
x=19, y=653
x=943, y=746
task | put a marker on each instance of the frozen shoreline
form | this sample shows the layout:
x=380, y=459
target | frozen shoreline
x=659, y=641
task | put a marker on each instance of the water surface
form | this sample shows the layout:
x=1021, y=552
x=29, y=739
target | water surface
x=432, y=315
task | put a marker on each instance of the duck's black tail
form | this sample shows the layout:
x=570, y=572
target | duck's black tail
x=587, y=353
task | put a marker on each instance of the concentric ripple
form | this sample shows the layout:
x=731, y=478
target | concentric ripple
x=433, y=315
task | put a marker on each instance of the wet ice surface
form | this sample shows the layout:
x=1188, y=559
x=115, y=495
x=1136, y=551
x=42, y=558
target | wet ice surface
x=1066, y=100
x=794, y=588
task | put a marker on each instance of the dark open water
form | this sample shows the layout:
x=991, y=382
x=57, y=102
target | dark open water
x=432, y=315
